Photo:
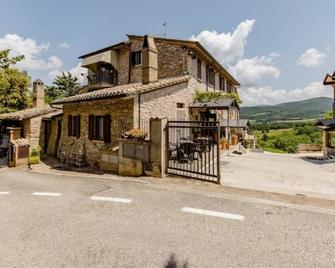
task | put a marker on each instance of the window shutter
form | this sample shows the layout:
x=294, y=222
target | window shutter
x=69, y=125
x=78, y=126
x=91, y=127
x=107, y=128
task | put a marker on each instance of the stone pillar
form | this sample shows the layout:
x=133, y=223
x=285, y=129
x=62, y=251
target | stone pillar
x=149, y=61
x=38, y=94
x=158, y=146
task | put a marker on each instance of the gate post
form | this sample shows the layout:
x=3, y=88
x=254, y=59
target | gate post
x=218, y=154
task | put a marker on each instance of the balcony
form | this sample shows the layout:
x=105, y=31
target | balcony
x=101, y=77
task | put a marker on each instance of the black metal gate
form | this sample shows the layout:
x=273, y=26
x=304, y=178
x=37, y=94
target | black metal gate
x=193, y=149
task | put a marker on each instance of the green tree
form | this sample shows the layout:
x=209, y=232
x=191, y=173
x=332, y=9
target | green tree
x=329, y=116
x=67, y=83
x=14, y=84
x=52, y=93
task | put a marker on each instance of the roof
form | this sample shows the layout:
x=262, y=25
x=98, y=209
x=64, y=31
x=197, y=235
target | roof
x=189, y=43
x=123, y=90
x=325, y=124
x=215, y=104
x=329, y=79
x=27, y=113
x=53, y=114
x=234, y=123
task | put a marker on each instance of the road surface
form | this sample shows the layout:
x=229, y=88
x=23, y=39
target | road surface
x=60, y=221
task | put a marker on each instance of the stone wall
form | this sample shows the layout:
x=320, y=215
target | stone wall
x=170, y=59
x=83, y=151
x=163, y=103
x=309, y=147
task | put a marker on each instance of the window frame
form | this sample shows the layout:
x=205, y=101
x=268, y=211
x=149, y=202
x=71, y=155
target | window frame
x=199, y=69
x=99, y=128
x=73, y=124
x=135, y=59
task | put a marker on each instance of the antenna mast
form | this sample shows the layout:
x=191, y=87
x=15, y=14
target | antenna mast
x=165, y=28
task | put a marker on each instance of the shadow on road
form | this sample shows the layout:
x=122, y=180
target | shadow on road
x=173, y=263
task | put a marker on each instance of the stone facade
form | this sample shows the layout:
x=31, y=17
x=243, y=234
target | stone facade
x=162, y=59
x=81, y=151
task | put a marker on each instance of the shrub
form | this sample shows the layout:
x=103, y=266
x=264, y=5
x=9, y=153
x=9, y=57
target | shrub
x=34, y=157
x=210, y=95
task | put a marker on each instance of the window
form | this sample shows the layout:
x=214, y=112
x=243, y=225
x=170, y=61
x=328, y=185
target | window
x=180, y=105
x=136, y=57
x=199, y=68
x=222, y=83
x=211, y=76
x=73, y=123
x=229, y=87
x=99, y=128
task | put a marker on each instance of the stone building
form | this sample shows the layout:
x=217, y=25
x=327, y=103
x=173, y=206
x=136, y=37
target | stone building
x=26, y=128
x=328, y=126
x=129, y=83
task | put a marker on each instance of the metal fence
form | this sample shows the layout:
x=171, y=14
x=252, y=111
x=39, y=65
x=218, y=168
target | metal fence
x=193, y=149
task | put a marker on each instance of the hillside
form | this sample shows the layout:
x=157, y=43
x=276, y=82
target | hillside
x=298, y=110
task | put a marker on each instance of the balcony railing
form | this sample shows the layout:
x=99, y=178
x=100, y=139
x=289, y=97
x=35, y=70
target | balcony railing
x=104, y=76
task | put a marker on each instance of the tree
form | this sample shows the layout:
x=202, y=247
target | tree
x=52, y=93
x=329, y=116
x=14, y=84
x=67, y=83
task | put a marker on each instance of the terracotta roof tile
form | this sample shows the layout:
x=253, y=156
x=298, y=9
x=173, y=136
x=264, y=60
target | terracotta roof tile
x=123, y=90
x=27, y=113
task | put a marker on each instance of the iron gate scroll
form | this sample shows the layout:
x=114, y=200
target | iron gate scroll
x=193, y=149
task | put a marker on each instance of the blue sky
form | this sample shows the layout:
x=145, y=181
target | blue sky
x=278, y=50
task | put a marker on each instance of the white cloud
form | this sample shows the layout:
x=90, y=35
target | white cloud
x=229, y=50
x=77, y=71
x=32, y=51
x=251, y=71
x=267, y=96
x=64, y=45
x=80, y=73
x=311, y=58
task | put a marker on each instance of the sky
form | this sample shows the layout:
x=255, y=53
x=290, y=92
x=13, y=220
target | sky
x=279, y=51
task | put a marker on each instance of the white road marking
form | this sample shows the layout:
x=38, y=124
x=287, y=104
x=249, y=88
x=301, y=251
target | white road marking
x=112, y=199
x=46, y=194
x=214, y=213
x=3, y=193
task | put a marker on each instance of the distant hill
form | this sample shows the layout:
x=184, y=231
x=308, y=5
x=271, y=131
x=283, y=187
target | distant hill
x=297, y=110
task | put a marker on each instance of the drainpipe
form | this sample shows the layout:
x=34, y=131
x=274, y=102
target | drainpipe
x=334, y=104
x=228, y=126
x=129, y=63
x=139, y=110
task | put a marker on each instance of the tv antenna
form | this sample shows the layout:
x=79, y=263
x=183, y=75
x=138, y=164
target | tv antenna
x=165, y=28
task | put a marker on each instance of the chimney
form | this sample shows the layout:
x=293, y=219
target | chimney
x=38, y=94
x=149, y=61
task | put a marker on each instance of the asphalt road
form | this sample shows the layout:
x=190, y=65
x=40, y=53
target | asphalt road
x=58, y=221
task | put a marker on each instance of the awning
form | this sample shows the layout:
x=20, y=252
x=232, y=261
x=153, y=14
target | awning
x=235, y=123
x=107, y=57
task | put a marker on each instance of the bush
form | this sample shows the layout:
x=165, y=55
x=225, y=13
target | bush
x=289, y=143
x=34, y=157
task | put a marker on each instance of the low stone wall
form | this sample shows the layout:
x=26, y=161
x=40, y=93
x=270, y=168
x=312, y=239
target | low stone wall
x=309, y=148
